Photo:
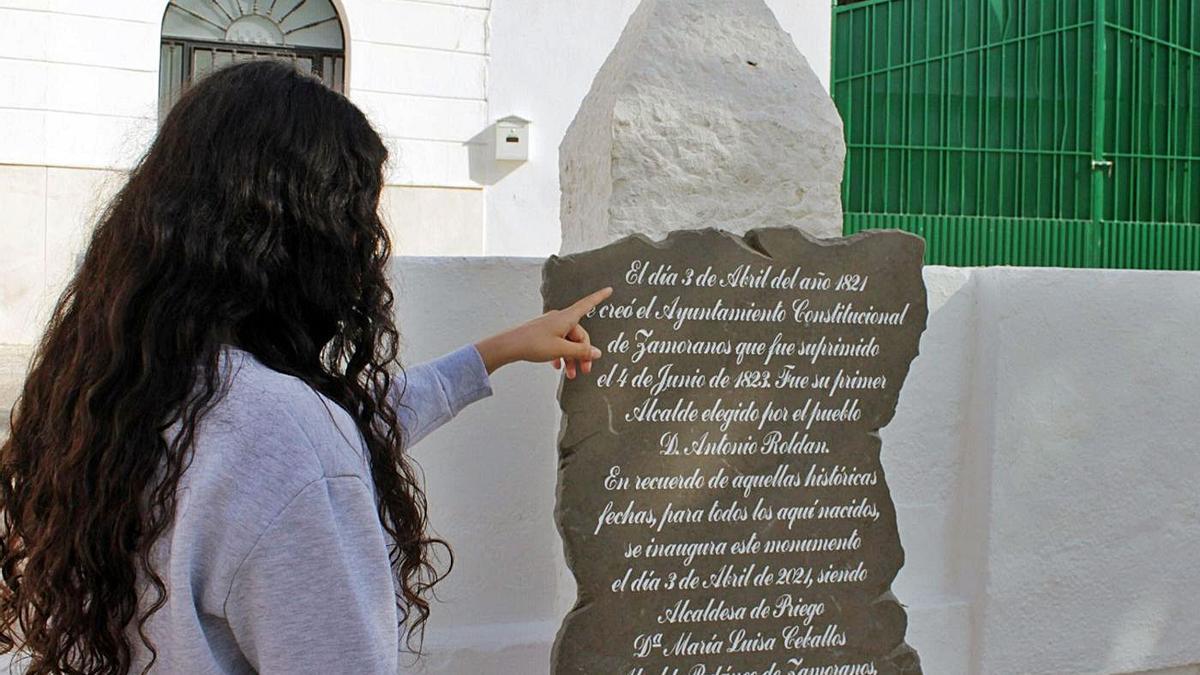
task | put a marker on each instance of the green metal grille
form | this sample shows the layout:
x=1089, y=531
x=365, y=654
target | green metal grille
x=1024, y=132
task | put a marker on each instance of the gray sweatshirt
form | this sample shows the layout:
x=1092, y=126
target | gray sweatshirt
x=276, y=561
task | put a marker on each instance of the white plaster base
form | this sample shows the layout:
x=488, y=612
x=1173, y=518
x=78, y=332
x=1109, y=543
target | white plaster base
x=1043, y=460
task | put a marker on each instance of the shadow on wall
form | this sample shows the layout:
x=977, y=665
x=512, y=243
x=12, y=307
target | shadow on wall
x=484, y=168
x=923, y=459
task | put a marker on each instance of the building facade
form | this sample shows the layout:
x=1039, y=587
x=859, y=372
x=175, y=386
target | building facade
x=82, y=86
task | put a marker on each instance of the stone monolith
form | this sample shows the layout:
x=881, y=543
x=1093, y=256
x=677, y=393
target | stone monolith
x=704, y=115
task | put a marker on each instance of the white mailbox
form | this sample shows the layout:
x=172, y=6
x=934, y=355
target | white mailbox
x=512, y=139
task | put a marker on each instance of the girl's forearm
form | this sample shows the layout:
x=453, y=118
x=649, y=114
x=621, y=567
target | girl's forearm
x=498, y=350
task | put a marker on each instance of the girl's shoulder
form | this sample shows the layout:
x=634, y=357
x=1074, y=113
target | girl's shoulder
x=265, y=441
x=279, y=423
x=267, y=436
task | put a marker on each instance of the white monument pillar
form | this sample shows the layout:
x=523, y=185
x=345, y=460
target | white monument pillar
x=704, y=115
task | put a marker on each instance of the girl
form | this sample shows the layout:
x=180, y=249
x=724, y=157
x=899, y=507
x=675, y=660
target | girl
x=206, y=471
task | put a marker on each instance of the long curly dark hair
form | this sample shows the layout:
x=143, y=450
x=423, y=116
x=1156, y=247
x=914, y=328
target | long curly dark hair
x=252, y=220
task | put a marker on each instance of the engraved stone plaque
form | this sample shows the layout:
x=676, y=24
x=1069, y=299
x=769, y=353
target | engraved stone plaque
x=720, y=495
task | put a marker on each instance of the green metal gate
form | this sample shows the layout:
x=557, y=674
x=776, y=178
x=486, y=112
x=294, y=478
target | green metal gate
x=1024, y=132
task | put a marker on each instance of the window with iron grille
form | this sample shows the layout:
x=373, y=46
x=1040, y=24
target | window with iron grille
x=199, y=36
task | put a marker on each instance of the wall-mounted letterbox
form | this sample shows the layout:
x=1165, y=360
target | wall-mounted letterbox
x=512, y=139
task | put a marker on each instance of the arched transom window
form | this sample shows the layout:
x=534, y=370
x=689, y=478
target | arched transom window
x=200, y=35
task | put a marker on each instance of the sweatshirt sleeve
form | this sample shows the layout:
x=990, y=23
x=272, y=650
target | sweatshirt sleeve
x=316, y=592
x=431, y=393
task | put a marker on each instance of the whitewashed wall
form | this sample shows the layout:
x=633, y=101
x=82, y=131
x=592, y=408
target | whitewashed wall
x=66, y=120
x=1043, y=458
x=418, y=68
x=78, y=105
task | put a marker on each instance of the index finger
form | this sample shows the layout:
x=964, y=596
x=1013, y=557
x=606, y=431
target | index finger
x=586, y=303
